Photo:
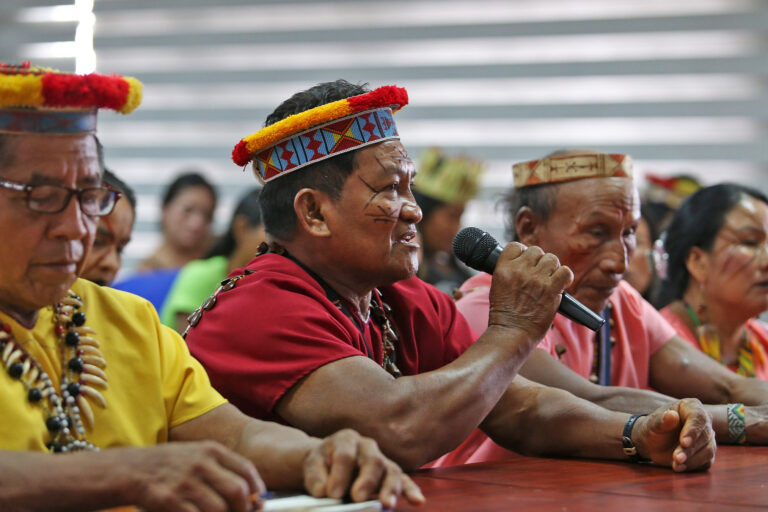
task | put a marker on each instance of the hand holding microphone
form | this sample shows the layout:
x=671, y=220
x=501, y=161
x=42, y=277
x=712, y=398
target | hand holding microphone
x=530, y=293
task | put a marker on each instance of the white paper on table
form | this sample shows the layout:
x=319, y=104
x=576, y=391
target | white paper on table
x=301, y=503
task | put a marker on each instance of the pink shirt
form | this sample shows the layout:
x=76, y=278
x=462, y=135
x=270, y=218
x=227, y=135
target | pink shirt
x=755, y=327
x=634, y=319
x=679, y=325
x=638, y=328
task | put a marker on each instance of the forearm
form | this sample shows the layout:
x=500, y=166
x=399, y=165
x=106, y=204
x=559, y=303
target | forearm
x=415, y=419
x=438, y=410
x=544, y=369
x=719, y=422
x=61, y=482
x=679, y=370
x=537, y=420
x=724, y=386
x=746, y=391
x=755, y=424
x=278, y=452
x=630, y=400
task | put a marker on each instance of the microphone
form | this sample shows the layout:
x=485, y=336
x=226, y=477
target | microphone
x=479, y=250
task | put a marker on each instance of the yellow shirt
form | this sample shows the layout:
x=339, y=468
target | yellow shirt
x=154, y=383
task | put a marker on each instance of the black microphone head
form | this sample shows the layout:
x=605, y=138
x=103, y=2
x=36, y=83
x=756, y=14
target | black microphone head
x=473, y=246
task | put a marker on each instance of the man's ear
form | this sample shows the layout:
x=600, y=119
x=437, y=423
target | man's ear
x=309, y=205
x=526, y=226
x=697, y=263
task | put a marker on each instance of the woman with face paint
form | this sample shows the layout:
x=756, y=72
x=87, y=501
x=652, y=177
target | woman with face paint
x=717, y=277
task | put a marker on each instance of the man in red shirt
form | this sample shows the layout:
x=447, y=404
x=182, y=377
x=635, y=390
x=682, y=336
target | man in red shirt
x=328, y=327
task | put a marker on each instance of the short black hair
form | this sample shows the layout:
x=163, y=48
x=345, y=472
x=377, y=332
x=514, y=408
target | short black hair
x=328, y=176
x=184, y=181
x=696, y=224
x=113, y=181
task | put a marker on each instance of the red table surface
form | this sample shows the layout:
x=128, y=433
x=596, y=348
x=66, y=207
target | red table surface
x=737, y=481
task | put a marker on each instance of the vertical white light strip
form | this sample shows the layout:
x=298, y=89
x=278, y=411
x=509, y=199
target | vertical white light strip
x=85, y=56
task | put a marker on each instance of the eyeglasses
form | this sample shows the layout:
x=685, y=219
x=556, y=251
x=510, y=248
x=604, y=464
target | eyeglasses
x=94, y=201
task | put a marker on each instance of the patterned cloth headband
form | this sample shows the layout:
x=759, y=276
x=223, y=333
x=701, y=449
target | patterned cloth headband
x=322, y=132
x=42, y=100
x=556, y=169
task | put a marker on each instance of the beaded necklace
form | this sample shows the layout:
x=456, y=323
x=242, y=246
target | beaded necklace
x=749, y=350
x=67, y=410
x=380, y=311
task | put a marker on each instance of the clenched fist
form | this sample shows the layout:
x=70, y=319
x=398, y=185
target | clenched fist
x=527, y=288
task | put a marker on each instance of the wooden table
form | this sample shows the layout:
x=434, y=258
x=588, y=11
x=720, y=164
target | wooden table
x=737, y=481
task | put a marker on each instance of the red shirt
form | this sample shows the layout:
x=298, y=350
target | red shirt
x=277, y=325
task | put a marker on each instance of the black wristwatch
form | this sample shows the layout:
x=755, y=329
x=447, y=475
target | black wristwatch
x=630, y=450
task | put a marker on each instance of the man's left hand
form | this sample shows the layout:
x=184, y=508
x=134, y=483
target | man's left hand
x=678, y=435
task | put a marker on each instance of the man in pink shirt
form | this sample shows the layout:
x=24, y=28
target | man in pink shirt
x=583, y=207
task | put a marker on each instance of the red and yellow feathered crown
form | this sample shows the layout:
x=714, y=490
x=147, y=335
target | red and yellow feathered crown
x=322, y=132
x=35, y=99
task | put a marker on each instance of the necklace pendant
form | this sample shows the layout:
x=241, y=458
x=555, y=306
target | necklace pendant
x=392, y=369
x=388, y=335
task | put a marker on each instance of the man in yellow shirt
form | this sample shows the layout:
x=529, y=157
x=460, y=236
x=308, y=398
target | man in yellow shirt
x=87, y=368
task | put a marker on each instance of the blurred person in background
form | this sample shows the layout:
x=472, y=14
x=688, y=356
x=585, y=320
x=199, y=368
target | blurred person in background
x=112, y=235
x=187, y=214
x=717, y=276
x=663, y=195
x=660, y=198
x=199, y=278
x=641, y=273
x=442, y=187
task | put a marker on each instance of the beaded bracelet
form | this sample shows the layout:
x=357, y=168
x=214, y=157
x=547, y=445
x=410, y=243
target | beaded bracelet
x=737, y=425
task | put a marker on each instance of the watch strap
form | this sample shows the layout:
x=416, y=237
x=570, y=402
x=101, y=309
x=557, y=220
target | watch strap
x=629, y=448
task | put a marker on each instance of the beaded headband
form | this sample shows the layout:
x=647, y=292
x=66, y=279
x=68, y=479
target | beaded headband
x=556, y=169
x=41, y=100
x=322, y=132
